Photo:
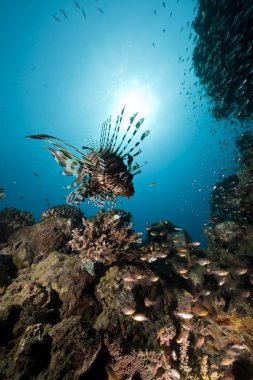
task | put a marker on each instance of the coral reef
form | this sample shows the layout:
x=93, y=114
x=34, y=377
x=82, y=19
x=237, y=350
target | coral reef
x=95, y=303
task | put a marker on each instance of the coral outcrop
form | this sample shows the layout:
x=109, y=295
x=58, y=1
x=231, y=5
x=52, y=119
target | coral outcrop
x=104, y=238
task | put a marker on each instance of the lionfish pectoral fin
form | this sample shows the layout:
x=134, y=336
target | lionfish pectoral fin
x=75, y=183
x=78, y=195
x=49, y=138
x=69, y=162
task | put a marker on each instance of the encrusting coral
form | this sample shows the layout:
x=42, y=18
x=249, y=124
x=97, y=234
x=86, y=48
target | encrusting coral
x=105, y=239
x=63, y=211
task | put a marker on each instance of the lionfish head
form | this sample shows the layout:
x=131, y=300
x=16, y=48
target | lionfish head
x=125, y=187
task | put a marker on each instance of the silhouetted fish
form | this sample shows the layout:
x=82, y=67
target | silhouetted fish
x=56, y=18
x=64, y=13
x=78, y=6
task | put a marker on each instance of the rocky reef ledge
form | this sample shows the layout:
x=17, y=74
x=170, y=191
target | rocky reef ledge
x=85, y=298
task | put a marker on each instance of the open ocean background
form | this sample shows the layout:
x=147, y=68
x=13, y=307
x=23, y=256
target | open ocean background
x=64, y=76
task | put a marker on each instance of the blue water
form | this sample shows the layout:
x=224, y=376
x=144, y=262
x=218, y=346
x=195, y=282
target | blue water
x=65, y=78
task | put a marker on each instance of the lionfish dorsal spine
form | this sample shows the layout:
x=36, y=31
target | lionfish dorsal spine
x=137, y=126
x=102, y=135
x=105, y=132
x=132, y=118
x=116, y=129
x=143, y=136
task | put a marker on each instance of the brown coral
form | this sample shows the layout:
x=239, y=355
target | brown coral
x=104, y=239
x=63, y=211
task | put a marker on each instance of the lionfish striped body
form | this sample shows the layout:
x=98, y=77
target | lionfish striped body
x=104, y=173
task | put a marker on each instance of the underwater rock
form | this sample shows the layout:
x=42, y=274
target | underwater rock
x=75, y=346
x=228, y=232
x=43, y=238
x=8, y=271
x=11, y=220
x=232, y=198
x=63, y=273
x=33, y=352
x=9, y=316
x=64, y=211
x=22, y=256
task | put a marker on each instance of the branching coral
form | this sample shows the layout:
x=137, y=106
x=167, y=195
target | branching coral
x=104, y=239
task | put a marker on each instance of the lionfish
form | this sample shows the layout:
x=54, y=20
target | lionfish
x=104, y=172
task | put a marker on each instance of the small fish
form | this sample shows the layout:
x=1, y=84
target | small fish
x=181, y=29
x=161, y=255
x=148, y=302
x=129, y=278
x=153, y=278
x=117, y=216
x=181, y=270
x=187, y=325
x=140, y=317
x=127, y=310
x=36, y=175
x=194, y=244
x=56, y=18
x=170, y=14
x=227, y=361
x=240, y=271
x=100, y=10
x=2, y=194
x=220, y=272
x=163, y=4
x=111, y=372
x=152, y=183
x=21, y=197
x=153, y=44
x=199, y=310
x=155, y=12
x=63, y=12
x=78, y=6
x=178, y=229
x=203, y=262
x=184, y=315
x=84, y=15
x=182, y=337
x=199, y=343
